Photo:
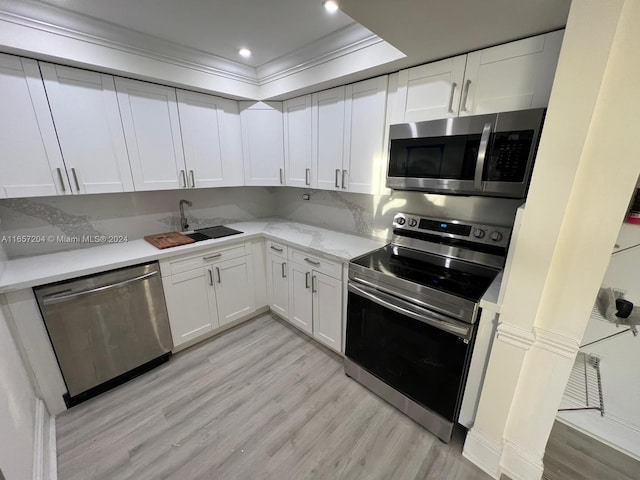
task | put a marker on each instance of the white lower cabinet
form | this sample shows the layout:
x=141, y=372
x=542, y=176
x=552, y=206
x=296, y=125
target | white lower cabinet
x=278, y=285
x=315, y=299
x=208, y=290
x=191, y=304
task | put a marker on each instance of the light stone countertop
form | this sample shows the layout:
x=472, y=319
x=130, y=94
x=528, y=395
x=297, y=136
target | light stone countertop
x=39, y=270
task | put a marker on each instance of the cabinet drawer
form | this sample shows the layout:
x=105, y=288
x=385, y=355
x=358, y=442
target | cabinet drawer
x=319, y=264
x=276, y=248
x=205, y=258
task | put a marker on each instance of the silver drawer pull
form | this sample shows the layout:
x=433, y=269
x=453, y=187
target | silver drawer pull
x=307, y=276
x=465, y=94
x=218, y=272
x=64, y=189
x=308, y=260
x=184, y=179
x=344, y=179
x=314, y=284
x=307, y=176
x=75, y=178
x=284, y=269
x=210, y=276
x=193, y=179
x=273, y=247
x=281, y=177
x=453, y=91
x=337, y=178
x=209, y=257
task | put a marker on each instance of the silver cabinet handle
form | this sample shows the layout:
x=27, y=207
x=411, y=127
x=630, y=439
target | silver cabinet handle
x=337, y=178
x=193, y=179
x=273, y=247
x=75, y=178
x=308, y=260
x=218, y=273
x=64, y=188
x=482, y=152
x=307, y=276
x=210, y=276
x=314, y=284
x=184, y=179
x=465, y=94
x=209, y=257
x=63, y=298
x=453, y=90
x=281, y=177
x=284, y=268
x=307, y=176
x=344, y=179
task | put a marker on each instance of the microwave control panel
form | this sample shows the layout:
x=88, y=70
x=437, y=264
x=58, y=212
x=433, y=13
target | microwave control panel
x=474, y=232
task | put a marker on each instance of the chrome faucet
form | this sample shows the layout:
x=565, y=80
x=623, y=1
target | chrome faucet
x=183, y=219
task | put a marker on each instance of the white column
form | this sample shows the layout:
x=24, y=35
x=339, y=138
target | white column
x=587, y=166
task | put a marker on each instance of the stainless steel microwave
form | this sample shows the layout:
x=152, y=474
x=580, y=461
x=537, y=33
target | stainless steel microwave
x=489, y=155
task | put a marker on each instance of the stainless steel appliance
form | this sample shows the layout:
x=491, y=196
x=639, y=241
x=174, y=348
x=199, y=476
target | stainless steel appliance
x=412, y=307
x=106, y=328
x=489, y=155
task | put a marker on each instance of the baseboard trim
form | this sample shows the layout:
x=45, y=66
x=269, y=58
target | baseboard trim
x=483, y=451
x=519, y=464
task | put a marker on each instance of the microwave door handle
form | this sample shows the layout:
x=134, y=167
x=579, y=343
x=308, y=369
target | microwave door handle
x=482, y=154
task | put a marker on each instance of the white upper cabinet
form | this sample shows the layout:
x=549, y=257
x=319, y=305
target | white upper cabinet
x=365, y=111
x=30, y=161
x=212, y=140
x=514, y=76
x=152, y=131
x=262, y=143
x=87, y=120
x=297, y=141
x=328, y=138
x=430, y=91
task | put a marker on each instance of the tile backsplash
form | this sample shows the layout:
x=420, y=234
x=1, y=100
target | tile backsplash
x=63, y=223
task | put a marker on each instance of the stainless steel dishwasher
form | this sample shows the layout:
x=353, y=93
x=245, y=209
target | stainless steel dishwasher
x=106, y=328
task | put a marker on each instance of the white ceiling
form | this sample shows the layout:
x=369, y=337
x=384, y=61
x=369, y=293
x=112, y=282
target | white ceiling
x=270, y=28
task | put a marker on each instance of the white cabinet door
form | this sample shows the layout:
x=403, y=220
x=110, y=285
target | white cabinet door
x=278, y=285
x=297, y=141
x=262, y=143
x=191, y=304
x=328, y=138
x=235, y=290
x=87, y=120
x=152, y=130
x=430, y=91
x=300, y=297
x=514, y=76
x=30, y=160
x=327, y=310
x=212, y=140
x=365, y=110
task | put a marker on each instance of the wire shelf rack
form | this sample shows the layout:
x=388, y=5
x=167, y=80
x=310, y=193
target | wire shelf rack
x=584, y=389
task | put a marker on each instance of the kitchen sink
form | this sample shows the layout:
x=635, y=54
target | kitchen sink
x=210, y=233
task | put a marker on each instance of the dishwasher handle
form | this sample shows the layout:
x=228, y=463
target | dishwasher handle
x=58, y=298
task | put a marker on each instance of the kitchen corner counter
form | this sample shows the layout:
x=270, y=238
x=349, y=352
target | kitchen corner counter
x=38, y=270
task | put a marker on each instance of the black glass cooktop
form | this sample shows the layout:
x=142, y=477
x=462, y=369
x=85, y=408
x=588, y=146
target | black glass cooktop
x=448, y=275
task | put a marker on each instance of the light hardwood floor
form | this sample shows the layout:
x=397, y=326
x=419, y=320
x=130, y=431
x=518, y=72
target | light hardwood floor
x=261, y=401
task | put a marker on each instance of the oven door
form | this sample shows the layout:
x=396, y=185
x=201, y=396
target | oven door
x=421, y=354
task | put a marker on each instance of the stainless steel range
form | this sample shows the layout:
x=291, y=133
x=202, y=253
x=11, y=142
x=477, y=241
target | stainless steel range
x=412, y=310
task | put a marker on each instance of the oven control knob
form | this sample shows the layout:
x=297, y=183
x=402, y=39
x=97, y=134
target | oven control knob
x=400, y=220
x=478, y=233
x=496, y=236
x=413, y=222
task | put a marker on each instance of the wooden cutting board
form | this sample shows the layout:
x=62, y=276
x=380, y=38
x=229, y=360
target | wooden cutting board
x=169, y=239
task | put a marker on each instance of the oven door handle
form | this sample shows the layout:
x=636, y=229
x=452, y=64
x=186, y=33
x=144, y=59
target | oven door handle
x=417, y=313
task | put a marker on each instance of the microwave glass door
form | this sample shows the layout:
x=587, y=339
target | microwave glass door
x=508, y=157
x=445, y=157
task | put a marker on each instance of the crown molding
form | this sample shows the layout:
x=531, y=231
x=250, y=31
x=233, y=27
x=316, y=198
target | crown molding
x=58, y=21
x=342, y=42
x=54, y=20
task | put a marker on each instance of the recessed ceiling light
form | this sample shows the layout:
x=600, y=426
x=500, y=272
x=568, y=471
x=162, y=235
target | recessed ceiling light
x=245, y=52
x=331, y=6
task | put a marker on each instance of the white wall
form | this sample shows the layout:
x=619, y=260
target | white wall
x=17, y=411
x=133, y=214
